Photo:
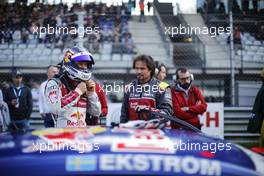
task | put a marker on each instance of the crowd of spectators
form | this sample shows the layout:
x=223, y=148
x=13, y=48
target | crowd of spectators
x=247, y=16
x=113, y=24
x=245, y=7
x=20, y=21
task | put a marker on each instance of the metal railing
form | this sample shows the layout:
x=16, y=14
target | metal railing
x=165, y=37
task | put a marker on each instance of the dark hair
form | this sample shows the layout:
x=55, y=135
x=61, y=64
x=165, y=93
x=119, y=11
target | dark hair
x=52, y=66
x=149, y=62
x=182, y=70
x=16, y=72
x=56, y=66
x=159, y=65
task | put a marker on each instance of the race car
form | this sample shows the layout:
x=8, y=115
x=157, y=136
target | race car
x=124, y=150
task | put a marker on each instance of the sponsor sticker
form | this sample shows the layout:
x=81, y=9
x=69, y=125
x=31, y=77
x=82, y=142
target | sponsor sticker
x=141, y=163
x=81, y=163
x=145, y=141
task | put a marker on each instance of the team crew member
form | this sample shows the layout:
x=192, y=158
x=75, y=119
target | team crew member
x=19, y=100
x=144, y=93
x=187, y=100
x=72, y=93
x=161, y=73
x=43, y=108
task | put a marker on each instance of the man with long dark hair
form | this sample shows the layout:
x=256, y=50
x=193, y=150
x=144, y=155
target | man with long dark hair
x=144, y=94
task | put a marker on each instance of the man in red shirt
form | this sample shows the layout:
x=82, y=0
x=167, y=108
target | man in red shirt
x=187, y=100
x=142, y=17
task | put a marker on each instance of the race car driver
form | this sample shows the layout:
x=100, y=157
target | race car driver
x=72, y=93
x=144, y=94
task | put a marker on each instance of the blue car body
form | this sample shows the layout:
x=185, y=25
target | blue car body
x=120, y=151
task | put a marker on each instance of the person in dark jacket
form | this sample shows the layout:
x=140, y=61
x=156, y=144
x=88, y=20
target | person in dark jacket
x=144, y=94
x=187, y=100
x=4, y=115
x=19, y=100
x=258, y=109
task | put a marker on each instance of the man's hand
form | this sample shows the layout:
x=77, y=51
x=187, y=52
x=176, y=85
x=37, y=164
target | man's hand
x=198, y=102
x=185, y=109
x=90, y=85
x=82, y=87
x=142, y=108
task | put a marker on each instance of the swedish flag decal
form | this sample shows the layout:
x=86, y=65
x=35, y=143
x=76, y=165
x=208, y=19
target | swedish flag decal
x=81, y=163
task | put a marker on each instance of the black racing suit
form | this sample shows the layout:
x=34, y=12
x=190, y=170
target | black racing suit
x=151, y=95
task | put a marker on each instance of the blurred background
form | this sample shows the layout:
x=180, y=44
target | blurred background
x=226, y=66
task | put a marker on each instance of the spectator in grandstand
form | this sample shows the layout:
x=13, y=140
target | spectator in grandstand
x=221, y=8
x=142, y=17
x=236, y=8
x=8, y=36
x=60, y=44
x=209, y=6
x=260, y=33
x=145, y=93
x=72, y=93
x=44, y=110
x=93, y=42
x=4, y=114
x=24, y=35
x=237, y=39
x=19, y=100
x=249, y=8
x=2, y=37
x=256, y=124
x=129, y=8
x=19, y=22
x=128, y=44
x=134, y=3
x=149, y=6
x=116, y=46
x=187, y=100
x=237, y=36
